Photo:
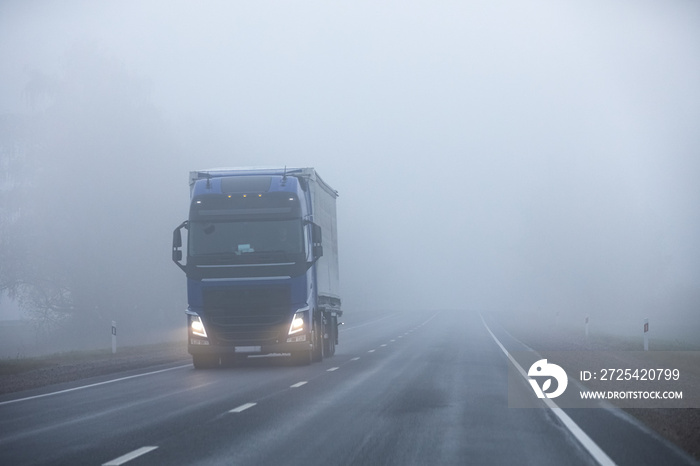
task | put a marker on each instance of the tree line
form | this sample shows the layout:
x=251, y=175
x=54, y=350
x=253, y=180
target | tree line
x=89, y=190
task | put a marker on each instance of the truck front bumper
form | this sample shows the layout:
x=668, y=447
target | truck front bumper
x=277, y=348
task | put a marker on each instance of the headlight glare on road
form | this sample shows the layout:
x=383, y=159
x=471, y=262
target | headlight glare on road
x=197, y=327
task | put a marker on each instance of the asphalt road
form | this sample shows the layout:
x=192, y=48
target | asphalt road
x=405, y=388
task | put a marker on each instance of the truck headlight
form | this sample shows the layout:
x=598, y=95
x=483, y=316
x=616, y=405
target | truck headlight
x=197, y=327
x=297, y=322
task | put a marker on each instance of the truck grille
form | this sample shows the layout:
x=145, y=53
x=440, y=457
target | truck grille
x=247, y=316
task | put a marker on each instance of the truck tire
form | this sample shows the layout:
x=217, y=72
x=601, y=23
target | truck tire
x=205, y=361
x=328, y=347
x=329, y=338
x=301, y=358
x=317, y=338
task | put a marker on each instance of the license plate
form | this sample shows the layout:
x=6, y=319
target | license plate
x=248, y=349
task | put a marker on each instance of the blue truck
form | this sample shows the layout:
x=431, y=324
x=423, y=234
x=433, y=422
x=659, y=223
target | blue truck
x=261, y=264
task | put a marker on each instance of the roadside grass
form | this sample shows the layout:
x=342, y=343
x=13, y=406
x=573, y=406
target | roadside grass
x=21, y=364
x=568, y=338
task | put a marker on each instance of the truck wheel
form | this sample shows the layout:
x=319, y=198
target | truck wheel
x=301, y=358
x=317, y=338
x=329, y=342
x=205, y=361
x=328, y=347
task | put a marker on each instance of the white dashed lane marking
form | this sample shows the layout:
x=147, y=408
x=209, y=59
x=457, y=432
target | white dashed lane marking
x=298, y=384
x=242, y=408
x=129, y=456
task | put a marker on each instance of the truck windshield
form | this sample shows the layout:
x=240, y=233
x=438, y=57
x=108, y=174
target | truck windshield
x=246, y=237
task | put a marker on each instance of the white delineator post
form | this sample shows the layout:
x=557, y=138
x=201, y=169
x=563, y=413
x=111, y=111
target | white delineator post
x=587, y=326
x=114, y=337
x=646, y=334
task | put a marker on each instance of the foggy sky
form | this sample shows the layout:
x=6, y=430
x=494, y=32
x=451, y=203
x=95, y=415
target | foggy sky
x=489, y=155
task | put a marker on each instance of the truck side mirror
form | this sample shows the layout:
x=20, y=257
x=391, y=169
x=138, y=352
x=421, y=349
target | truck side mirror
x=316, y=233
x=177, y=238
x=177, y=244
x=316, y=238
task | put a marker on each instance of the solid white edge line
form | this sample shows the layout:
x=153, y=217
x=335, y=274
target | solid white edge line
x=242, y=407
x=298, y=384
x=92, y=385
x=129, y=456
x=591, y=447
